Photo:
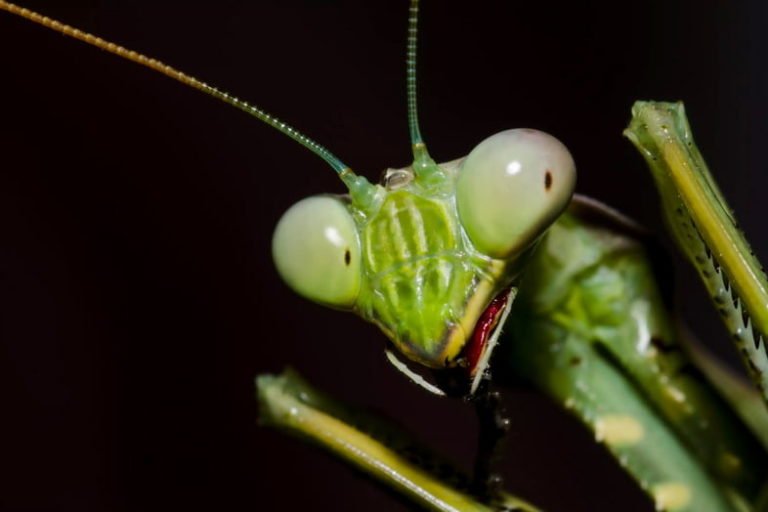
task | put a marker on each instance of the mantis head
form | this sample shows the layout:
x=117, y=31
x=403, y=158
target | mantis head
x=431, y=254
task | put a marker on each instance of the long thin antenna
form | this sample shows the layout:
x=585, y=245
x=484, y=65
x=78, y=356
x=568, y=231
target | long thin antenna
x=342, y=169
x=422, y=162
x=413, y=33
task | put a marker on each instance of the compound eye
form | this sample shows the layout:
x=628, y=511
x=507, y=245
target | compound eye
x=317, y=251
x=511, y=187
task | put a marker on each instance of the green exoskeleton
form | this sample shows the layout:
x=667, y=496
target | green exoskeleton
x=491, y=255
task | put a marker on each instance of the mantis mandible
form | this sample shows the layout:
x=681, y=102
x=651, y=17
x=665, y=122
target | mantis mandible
x=310, y=188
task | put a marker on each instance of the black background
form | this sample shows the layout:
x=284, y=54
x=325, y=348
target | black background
x=138, y=297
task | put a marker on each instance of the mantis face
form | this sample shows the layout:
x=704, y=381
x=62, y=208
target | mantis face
x=431, y=254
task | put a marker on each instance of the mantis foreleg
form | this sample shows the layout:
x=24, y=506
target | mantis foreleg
x=704, y=227
x=371, y=445
x=590, y=330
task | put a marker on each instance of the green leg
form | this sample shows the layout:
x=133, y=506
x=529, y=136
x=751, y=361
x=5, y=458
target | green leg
x=574, y=374
x=371, y=445
x=704, y=227
x=589, y=329
x=744, y=399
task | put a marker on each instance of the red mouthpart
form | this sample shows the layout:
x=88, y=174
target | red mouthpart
x=483, y=329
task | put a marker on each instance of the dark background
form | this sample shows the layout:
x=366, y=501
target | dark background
x=138, y=297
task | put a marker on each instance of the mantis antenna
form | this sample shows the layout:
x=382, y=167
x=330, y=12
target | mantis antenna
x=360, y=189
x=422, y=162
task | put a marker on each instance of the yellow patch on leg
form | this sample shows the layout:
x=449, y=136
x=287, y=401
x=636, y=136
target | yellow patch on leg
x=671, y=496
x=618, y=429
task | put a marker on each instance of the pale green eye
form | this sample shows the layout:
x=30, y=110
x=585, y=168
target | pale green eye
x=511, y=187
x=317, y=251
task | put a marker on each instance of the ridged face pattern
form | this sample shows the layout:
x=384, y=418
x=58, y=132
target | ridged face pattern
x=419, y=275
x=317, y=251
x=511, y=187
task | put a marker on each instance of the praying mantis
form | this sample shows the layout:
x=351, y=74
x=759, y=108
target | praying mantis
x=265, y=186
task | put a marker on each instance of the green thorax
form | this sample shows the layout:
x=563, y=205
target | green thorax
x=424, y=283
